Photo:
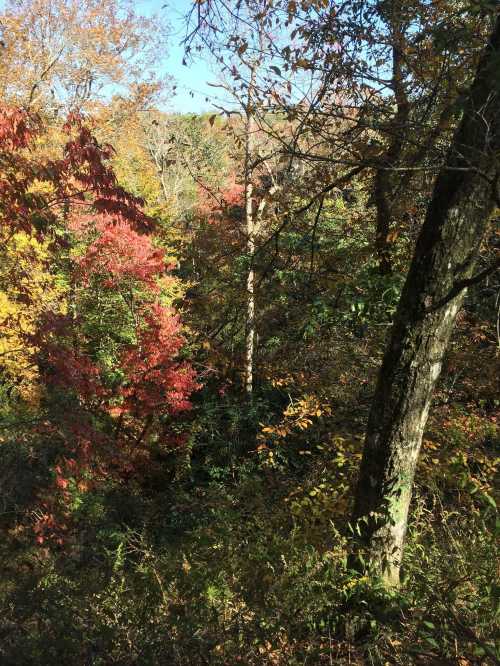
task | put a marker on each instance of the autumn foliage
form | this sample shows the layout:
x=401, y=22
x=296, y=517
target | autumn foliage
x=194, y=309
x=103, y=244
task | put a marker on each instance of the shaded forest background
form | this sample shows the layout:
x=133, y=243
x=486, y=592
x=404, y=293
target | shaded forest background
x=194, y=311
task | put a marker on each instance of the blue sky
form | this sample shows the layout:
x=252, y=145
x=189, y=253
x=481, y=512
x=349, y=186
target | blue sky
x=192, y=81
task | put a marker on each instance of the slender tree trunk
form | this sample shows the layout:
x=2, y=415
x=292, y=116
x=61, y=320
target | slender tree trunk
x=383, y=221
x=383, y=189
x=250, y=233
x=442, y=266
x=250, y=324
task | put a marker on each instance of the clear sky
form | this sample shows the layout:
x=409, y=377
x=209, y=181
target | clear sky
x=192, y=81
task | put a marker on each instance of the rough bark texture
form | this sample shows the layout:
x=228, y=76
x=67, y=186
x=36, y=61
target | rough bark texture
x=444, y=259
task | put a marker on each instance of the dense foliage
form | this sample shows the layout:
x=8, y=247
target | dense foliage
x=153, y=509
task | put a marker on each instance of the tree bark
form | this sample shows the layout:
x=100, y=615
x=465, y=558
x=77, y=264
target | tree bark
x=250, y=323
x=444, y=259
x=250, y=234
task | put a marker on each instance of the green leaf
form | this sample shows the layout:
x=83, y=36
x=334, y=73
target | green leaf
x=490, y=500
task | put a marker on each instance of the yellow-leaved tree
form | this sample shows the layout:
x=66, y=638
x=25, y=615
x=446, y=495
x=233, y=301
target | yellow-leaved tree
x=27, y=289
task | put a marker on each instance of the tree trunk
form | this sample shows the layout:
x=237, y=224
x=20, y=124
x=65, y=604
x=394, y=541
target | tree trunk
x=443, y=263
x=250, y=323
x=383, y=190
x=250, y=234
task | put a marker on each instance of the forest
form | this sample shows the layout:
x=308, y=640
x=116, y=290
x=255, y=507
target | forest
x=249, y=352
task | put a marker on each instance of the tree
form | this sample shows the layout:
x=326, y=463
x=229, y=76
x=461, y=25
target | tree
x=186, y=152
x=343, y=92
x=246, y=49
x=103, y=345
x=441, y=270
x=69, y=53
x=357, y=86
